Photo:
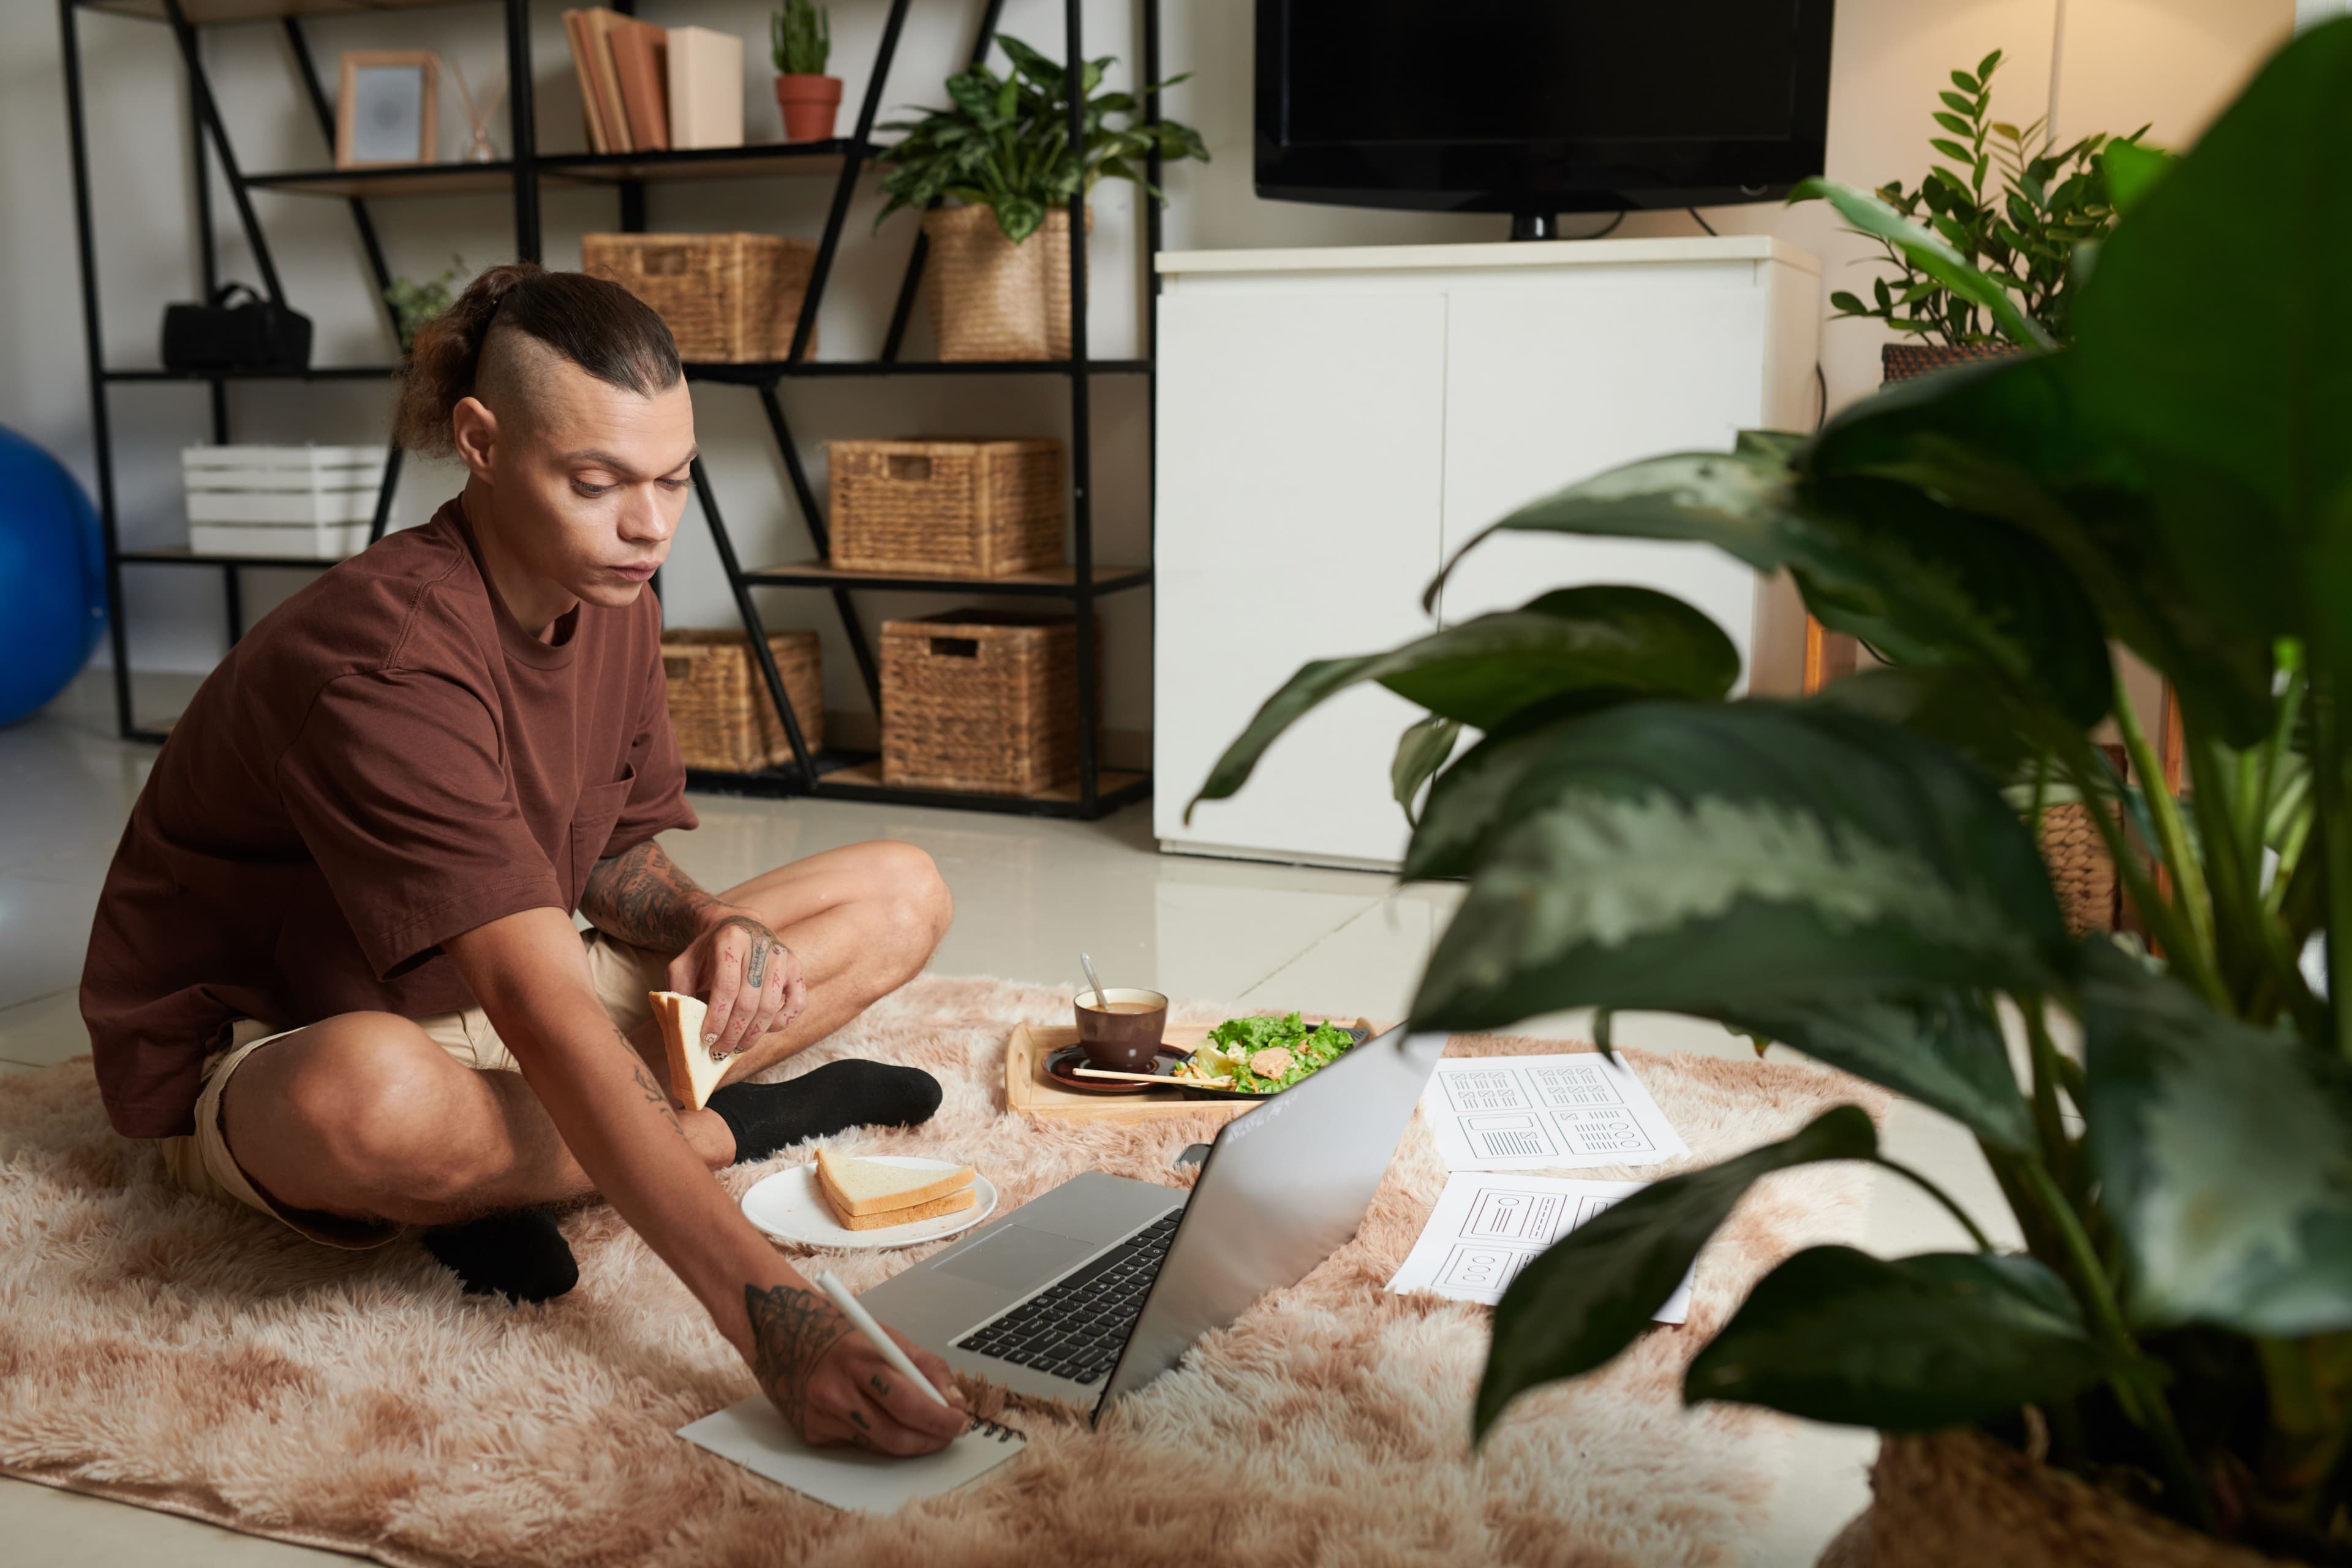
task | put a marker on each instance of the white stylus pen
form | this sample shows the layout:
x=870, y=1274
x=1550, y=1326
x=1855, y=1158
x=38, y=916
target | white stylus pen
x=862, y=1322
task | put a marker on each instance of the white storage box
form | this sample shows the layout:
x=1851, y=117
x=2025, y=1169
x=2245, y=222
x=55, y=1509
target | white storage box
x=314, y=502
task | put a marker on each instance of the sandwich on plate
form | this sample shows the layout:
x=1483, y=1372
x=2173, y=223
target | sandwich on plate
x=865, y=1195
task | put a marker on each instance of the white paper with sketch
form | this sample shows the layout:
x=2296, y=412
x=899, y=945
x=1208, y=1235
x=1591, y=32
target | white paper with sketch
x=1538, y=1113
x=1487, y=1227
x=754, y=1436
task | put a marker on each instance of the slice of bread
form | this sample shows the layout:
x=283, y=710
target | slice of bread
x=867, y=1187
x=962, y=1198
x=693, y=1071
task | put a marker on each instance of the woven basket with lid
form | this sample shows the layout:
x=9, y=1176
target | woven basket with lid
x=951, y=507
x=718, y=704
x=981, y=699
x=1961, y=1497
x=728, y=299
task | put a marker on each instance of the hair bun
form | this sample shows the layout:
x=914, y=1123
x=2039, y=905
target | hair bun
x=591, y=323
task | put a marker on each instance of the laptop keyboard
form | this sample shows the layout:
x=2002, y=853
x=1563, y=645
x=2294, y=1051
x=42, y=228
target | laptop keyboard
x=1076, y=1327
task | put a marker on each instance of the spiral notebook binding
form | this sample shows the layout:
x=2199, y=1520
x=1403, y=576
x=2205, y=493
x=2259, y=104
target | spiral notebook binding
x=998, y=1430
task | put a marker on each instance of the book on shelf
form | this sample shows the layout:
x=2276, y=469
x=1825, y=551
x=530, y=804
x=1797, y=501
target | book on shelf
x=590, y=33
x=575, y=32
x=641, y=63
x=706, y=88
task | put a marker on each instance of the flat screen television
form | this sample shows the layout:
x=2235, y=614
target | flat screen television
x=1540, y=106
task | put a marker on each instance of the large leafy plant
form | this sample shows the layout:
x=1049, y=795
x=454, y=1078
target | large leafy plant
x=2020, y=230
x=1843, y=874
x=1004, y=143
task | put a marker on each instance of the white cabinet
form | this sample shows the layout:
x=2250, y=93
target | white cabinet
x=1334, y=424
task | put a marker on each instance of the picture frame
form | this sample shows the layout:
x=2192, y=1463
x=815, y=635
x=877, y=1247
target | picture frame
x=386, y=113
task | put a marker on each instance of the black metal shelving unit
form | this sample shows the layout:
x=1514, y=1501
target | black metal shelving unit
x=833, y=774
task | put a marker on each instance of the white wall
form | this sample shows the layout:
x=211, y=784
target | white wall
x=2122, y=62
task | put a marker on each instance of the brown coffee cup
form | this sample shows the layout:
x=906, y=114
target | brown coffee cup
x=1121, y=1028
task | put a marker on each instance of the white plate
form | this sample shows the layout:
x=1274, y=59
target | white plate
x=788, y=1207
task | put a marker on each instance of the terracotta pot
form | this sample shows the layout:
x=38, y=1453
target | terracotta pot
x=810, y=104
x=994, y=299
x=1959, y=1497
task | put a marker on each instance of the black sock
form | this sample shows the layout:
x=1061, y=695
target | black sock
x=518, y=1254
x=766, y=1117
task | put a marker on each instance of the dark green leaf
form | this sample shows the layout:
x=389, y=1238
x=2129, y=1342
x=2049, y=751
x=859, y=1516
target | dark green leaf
x=1943, y=1050
x=1841, y=300
x=1577, y=1306
x=1422, y=750
x=1948, y=148
x=2132, y=171
x=1735, y=502
x=2239, y=414
x=1955, y=124
x=1931, y=255
x=1038, y=68
x=1966, y=82
x=2008, y=440
x=1910, y=1345
x=1725, y=862
x=2224, y=1154
x=1484, y=670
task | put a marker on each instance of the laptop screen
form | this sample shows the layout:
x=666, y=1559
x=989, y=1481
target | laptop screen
x=1285, y=1186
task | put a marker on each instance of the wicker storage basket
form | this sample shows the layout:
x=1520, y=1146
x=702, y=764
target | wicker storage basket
x=1959, y=1497
x=719, y=700
x=994, y=299
x=981, y=699
x=1901, y=361
x=2081, y=871
x=726, y=297
x=953, y=508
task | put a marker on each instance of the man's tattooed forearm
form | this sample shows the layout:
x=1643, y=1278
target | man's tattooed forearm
x=654, y=1096
x=792, y=1329
x=641, y=897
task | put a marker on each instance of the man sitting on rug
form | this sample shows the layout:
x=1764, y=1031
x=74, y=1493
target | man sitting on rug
x=334, y=970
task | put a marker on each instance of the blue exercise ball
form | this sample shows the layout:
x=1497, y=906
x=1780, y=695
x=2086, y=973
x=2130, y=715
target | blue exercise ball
x=52, y=577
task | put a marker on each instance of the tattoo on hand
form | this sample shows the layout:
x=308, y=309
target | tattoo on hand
x=858, y=1417
x=881, y=1386
x=641, y=897
x=792, y=1329
x=759, y=962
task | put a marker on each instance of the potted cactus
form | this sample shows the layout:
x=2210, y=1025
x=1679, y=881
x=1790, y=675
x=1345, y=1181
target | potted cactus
x=801, y=37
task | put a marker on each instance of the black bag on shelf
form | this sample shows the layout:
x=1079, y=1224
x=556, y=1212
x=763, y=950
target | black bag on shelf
x=258, y=334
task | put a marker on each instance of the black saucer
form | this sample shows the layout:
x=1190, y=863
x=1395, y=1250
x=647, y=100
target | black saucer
x=1060, y=1064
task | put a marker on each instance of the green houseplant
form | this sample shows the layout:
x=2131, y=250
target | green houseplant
x=800, y=39
x=2020, y=229
x=413, y=304
x=1000, y=260
x=1841, y=874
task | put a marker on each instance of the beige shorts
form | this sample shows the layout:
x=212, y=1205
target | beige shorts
x=203, y=1163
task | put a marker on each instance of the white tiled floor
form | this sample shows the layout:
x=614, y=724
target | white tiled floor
x=1029, y=896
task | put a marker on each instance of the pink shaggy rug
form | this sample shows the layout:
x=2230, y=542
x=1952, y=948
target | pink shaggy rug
x=162, y=1349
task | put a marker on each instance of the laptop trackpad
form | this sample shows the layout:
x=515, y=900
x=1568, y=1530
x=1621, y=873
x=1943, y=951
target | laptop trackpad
x=1017, y=1258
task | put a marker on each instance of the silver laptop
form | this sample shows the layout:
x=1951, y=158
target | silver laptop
x=1093, y=1289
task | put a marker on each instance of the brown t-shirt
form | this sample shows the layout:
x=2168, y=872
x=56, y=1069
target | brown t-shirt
x=385, y=761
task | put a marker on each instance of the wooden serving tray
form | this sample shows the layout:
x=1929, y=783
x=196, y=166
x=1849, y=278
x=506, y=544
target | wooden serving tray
x=1028, y=1090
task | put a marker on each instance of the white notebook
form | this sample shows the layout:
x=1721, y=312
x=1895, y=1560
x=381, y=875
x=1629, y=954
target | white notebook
x=753, y=1435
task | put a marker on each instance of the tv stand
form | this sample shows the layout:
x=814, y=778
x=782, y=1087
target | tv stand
x=1535, y=225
